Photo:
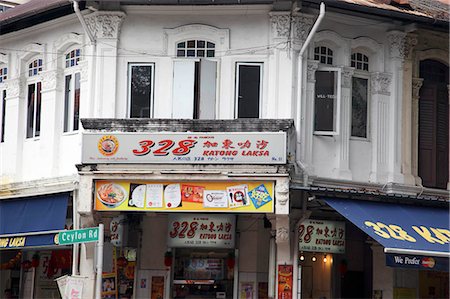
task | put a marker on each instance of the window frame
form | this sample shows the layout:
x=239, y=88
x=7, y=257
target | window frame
x=195, y=48
x=337, y=104
x=362, y=75
x=3, y=96
x=34, y=79
x=261, y=85
x=152, y=86
x=71, y=71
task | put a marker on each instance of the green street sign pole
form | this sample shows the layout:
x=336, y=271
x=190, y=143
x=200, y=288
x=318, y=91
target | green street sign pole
x=98, y=287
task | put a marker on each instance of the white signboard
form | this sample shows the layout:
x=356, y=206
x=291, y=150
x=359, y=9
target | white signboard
x=116, y=229
x=201, y=230
x=185, y=148
x=321, y=236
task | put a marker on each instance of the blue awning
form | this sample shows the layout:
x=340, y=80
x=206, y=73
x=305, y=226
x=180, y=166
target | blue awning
x=399, y=228
x=30, y=215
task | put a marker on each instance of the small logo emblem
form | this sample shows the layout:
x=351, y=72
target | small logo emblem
x=108, y=145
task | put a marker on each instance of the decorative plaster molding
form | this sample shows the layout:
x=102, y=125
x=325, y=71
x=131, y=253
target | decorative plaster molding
x=13, y=87
x=83, y=65
x=282, y=192
x=105, y=24
x=282, y=234
x=416, y=85
x=49, y=79
x=347, y=73
x=311, y=70
x=65, y=41
x=3, y=58
x=281, y=24
x=401, y=44
x=366, y=43
x=381, y=83
x=302, y=25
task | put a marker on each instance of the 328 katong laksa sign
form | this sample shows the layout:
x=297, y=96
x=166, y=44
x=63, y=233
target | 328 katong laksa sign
x=182, y=148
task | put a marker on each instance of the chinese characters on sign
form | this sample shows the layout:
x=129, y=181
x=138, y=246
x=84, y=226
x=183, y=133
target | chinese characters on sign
x=201, y=230
x=191, y=148
x=285, y=279
x=321, y=236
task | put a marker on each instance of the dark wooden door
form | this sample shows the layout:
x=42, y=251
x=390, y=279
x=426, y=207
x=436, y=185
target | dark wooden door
x=434, y=125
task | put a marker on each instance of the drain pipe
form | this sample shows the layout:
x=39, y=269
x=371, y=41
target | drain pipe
x=76, y=8
x=301, y=86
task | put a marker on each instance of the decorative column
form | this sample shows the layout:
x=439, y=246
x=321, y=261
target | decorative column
x=343, y=171
x=400, y=48
x=380, y=120
x=14, y=129
x=307, y=128
x=416, y=85
x=448, y=89
x=52, y=111
x=105, y=26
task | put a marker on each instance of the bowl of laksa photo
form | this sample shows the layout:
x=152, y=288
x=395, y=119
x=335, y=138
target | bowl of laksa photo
x=111, y=195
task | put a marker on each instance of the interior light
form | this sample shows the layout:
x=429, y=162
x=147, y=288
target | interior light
x=313, y=258
x=302, y=257
x=324, y=258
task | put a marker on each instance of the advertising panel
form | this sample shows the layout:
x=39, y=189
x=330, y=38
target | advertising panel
x=321, y=236
x=285, y=281
x=185, y=148
x=233, y=197
x=201, y=230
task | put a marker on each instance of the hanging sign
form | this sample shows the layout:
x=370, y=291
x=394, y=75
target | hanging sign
x=176, y=196
x=321, y=236
x=201, y=230
x=185, y=148
x=285, y=281
x=116, y=229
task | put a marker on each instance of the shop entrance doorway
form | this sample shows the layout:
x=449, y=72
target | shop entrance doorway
x=203, y=273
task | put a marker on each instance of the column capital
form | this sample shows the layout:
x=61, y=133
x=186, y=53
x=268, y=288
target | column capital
x=401, y=44
x=14, y=87
x=105, y=24
x=347, y=74
x=302, y=24
x=280, y=24
x=312, y=66
x=416, y=85
x=380, y=83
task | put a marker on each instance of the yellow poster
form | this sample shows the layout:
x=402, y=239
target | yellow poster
x=177, y=196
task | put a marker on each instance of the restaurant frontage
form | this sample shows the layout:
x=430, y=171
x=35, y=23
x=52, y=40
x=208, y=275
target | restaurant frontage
x=188, y=214
x=30, y=256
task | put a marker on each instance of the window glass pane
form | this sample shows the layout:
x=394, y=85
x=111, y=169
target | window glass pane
x=359, y=107
x=366, y=67
x=38, y=110
x=210, y=53
x=76, y=102
x=248, y=100
x=190, y=53
x=316, y=50
x=353, y=64
x=67, y=93
x=180, y=53
x=140, y=91
x=200, y=53
x=325, y=97
x=211, y=45
x=191, y=44
x=366, y=59
x=200, y=44
x=329, y=60
x=181, y=45
x=323, y=59
x=30, y=110
x=3, y=115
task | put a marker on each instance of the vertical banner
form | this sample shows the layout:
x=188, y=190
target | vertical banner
x=285, y=280
x=157, y=291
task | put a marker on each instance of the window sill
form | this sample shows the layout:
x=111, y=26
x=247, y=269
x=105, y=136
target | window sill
x=362, y=139
x=71, y=133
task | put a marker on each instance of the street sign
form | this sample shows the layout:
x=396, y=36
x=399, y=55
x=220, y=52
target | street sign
x=84, y=235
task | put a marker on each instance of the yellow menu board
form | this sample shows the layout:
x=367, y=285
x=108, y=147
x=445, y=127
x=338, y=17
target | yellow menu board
x=182, y=196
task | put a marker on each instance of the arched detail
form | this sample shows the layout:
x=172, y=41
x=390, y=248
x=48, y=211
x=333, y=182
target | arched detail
x=221, y=37
x=435, y=54
x=337, y=43
x=370, y=48
x=30, y=52
x=66, y=41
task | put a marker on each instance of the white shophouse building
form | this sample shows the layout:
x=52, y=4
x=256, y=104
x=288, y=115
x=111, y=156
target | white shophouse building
x=355, y=108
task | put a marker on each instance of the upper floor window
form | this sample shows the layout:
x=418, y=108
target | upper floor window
x=323, y=55
x=327, y=101
x=35, y=67
x=3, y=73
x=360, y=61
x=3, y=114
x=140, y=89
x=72, y=91
x=73, y=57
x=196, y=48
